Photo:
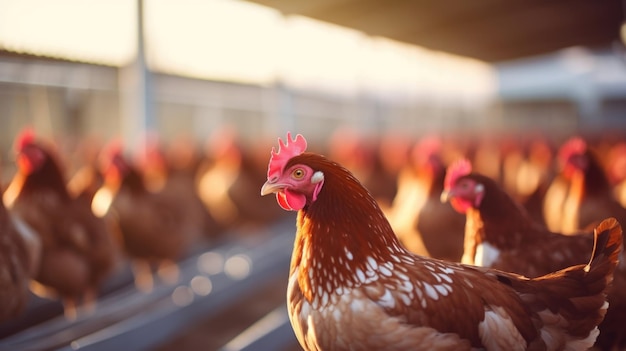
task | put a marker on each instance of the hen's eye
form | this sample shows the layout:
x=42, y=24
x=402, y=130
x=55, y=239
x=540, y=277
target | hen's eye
x=298, y=173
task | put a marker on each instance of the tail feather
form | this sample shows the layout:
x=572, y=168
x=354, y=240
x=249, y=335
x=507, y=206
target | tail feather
x=570, y=303
x=607, y=242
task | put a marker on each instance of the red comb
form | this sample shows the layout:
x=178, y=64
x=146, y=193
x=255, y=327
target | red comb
x=457, y=170
x=573, y=146
x=26, y=137
x=292, y=148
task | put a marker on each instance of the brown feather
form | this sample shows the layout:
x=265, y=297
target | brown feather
x=528, y=248
x=16, y=260
x=77, y=251
x=353, y=286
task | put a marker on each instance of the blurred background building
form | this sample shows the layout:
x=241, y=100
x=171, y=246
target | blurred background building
x=68, y=67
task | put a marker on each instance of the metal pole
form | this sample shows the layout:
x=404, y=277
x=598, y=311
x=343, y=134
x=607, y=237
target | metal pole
x=137, y=112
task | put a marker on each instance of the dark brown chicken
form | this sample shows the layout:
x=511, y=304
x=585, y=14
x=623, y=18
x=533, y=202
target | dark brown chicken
x=173, y=174
x=77, y=250
x=154, y=229
x=353, y=286
x=87, y=179
x=590, y=197
x=417, y=216
x=20, y=251
x=501, y=234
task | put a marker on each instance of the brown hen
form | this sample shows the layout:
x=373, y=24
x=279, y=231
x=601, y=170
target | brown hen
x=501, y=234
x=173, y=173
x=20, y=251
x=353, y=286
x=423, y=224
x=155, y=231
x=590, y=196
x=77, y=249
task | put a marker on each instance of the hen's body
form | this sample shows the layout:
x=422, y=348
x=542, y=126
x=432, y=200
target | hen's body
x=422, y=222
x=180, y=186
x=590, y=199
x=500, y=234
x=154, y=228
x=174, y=178
x=77, y=250
x=499, y=223
x=590, y=196
x=353, y=286
x=20, y=249
x=85, y=183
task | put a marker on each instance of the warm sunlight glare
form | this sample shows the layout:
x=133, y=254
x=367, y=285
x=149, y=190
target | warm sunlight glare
x=94, y=31
x=215, y=39
x=233, y=40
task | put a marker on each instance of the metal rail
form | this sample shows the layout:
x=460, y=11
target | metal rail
x=272, y=332
x=209, y=282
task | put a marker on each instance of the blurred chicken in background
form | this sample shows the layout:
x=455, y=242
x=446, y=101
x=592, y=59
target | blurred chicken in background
x=77, y=250
x=424, y=224
x=590, y=196
x=616, y=170
x=154, y=228
x=500, y=234
x=172, y=172
x=534, y=176
x=362, y=155
x=20, y=253
x=227, y=184
x=87, y=179
x=486, y=156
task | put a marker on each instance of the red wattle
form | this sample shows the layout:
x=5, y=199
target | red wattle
x=290, y=201
x=280, y=198
x=460, y=206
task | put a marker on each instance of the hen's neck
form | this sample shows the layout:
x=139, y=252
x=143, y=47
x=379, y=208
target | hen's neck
x=342, y=237
x=49, y=177
x=501, y=221
x=133, y=181
x=436, y=186
x=594, y=181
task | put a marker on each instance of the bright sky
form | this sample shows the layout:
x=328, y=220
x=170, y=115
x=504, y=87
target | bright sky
x=237, y=41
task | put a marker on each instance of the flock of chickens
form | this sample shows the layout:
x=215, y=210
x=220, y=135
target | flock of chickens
x=520, y=205
x=69, y=223
x=519, y=286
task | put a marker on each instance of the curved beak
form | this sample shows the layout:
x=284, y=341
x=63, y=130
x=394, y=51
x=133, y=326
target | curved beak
x=270, y=188
x=445, y=196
